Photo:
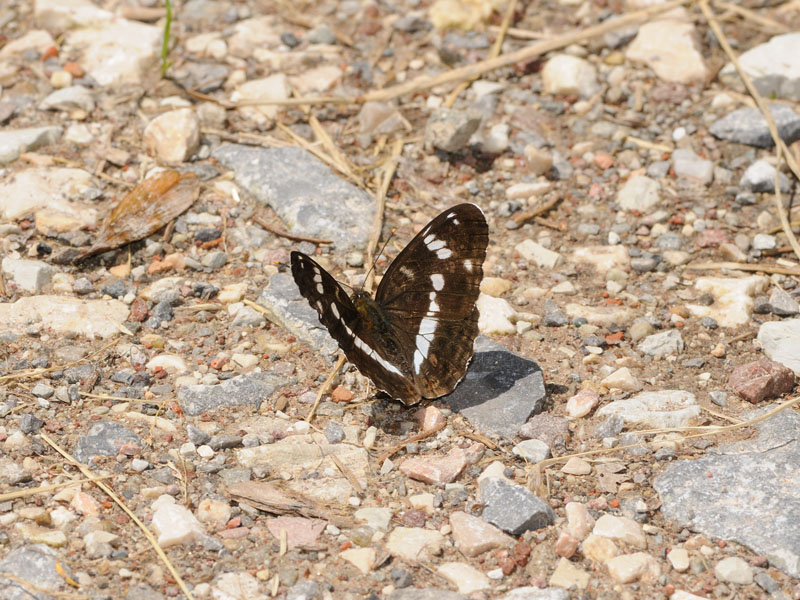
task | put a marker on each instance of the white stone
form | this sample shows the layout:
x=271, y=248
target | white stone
x=764, y=241
x=780, y=341
x=567, y=75
x=668, y=46
x=496, y=316
x=536, y=253
x=235, y=586
x=78, y=133
x=414, y=543
x=361, y=558
x=232, y=292
x=640, y=193
x=628, y=568
x=532, y=450
x=64, y=315
x=171, y=363
x=602, y=316
x=565, y=287
x=621, y=529
x=661, y=409
x=622, y=379
x=316, y=80
x=61, y=15
x=773, y=66
x=175, y=524
x=465, y=577
x=116, y=53
x=688, y=164
x=579, y=521
x=50, y=189
x=734, y=570
x=28, y=275
x=274, y=87
x=377, y=518
x=245, y=361
x=662, y=344
x=679, y=559
x=36, y=39
x=733, y=298
x=173, y=136
x=576, y=466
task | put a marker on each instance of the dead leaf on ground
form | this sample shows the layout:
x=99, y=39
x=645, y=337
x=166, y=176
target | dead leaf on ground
x=145, y=209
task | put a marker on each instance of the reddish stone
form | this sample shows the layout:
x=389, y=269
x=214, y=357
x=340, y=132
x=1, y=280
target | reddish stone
x=414, y=518
x=436, y=469
x=603, y=161
x=74, y=69
x=300, y=532
x=234, y=534
x=711, y=237
x=138, y=310
x=761, y=380
x=566, y=545
x=429, y=418
x=341, y=394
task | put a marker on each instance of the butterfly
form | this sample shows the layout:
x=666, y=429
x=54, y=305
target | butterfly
x=414, y=339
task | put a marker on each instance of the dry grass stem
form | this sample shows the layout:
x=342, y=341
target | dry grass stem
x=111, y=494
x=706, y=266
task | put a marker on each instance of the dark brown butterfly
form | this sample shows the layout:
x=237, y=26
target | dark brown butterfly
x=414, y=340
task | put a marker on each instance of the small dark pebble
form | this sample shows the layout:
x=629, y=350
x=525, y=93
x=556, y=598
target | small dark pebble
x=218, y=442
x=709, y=323
x=664, y=454
x=334, y=433
x=207, y=235
x=30, y=424
x=401, y=578
x=291, y=40
x=115, y=288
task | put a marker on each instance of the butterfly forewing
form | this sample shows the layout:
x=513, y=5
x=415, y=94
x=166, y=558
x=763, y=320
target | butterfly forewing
x=339, y=315
x=429, y=293
x=415, y=339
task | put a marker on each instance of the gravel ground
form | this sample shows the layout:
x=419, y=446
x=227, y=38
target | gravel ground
x=627, y=426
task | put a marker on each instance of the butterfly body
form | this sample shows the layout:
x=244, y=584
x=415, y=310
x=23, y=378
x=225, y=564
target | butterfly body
x=414, y=339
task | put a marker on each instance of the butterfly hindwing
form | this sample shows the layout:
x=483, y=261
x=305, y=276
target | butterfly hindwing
x=339, y=315
x=429, y=292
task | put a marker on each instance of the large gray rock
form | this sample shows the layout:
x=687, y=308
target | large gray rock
x=748, y=126
x=751, y=497
x=500, y=391
x=250, y=388
x=305, y=193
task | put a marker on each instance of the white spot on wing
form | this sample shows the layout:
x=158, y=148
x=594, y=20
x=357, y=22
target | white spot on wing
x=452, y=215
x=335, y=311
x=435, y=245
x=444, y=253
x=320, y=289
x=427, y=327
x=456, y=221
x=433, y=307
x=361, y=345
x=317, y=277
x=437, y=280
x=428, y=239
x=406, y=272
x=468, y=265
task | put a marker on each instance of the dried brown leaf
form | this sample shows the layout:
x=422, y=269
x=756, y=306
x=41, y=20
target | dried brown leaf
x=145, y=209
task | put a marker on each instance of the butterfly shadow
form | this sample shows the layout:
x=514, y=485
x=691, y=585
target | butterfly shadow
x=500, y=391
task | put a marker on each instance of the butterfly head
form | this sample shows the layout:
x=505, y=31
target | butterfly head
x=367, y=308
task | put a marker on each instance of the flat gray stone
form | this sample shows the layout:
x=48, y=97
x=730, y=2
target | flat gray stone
x=14, y=142
x=500, y=391
x=688, y=164
x=286, y=307
x=36, y=564
x=748, y=126
x=250, y=388
x=663, y=408
x=662, y=344
x=751, y=497
x=305, y=193
x=760, y=177
x=105, y=438
x=513, y=508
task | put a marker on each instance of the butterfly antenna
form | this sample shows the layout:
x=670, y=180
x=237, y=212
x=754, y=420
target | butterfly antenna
x=369, y=279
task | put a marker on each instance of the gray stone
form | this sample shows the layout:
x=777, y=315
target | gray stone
x=500, y=391
x=748, y=126
x=305, y=193
x=303, y=590
x=42, y=390
x=662, y=344
x=36, y=564
x=449, y=129
x=286, y=307
x=30, y=424
x=760, y=177
x=250, y=388
x=752, y=497
x=782, y=304
x=14, y=142
x=69, y=98
x=142, y=591
x=215, y=260
x=513, y=508
x=105, y=438
x=610, y=427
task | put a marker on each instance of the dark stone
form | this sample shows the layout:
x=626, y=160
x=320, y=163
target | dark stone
x=513, y=508
x=250, y=388
x=500, y=391
x=105, y=438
